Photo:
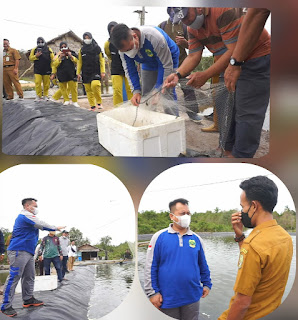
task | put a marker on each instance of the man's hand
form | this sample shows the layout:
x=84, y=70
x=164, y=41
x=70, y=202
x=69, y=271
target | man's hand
x=237, y=224
x=61, y=258
x=1, y=257
x=15, y=71
x=136, y=99
x=181, y=41
x=102, y=75
x=232, y=74
x=52, y=77
x=156, y=300
x=197, y=79
x=206, y=291
x=38, y=54
x=61, y=228
x=171, y=81
x=79, y=77
x=40, y=258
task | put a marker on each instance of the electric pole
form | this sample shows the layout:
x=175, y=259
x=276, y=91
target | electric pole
x=141, y=15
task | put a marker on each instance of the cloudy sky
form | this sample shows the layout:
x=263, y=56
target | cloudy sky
x=86, y=197
x=26, y=22
x=207, y=186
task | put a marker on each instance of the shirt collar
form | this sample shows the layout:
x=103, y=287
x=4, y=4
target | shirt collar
x=266, y=224
x=171, y=230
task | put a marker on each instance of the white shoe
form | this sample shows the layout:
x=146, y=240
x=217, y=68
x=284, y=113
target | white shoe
x=66, y=103
x=38, y=99
x=76, y=104
x=46, y=98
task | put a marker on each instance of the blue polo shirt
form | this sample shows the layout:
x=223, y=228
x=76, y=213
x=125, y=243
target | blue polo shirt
x=176, y=267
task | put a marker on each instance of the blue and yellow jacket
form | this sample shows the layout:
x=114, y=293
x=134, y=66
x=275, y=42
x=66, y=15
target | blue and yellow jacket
x=176, y=268
x=157, y=52
x=25, y=232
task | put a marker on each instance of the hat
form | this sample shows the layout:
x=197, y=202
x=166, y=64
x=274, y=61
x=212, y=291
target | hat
x=180, y=13
x=64, y=231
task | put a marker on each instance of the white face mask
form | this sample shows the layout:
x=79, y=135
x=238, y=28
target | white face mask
x=183, y=221
x=133, y=52
x=35, y=211
x=198, y=22
x=88, y=41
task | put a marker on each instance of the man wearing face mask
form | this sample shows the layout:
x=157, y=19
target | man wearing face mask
x=218, y=30
x=176, y=271
x=20, y=253
x=150, y=46
x=42, y=57
x=265, y=255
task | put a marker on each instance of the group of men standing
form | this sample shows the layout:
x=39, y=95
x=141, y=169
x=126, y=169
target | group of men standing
x=59, y=251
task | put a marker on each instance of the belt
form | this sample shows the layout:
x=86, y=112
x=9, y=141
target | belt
x=12, y=65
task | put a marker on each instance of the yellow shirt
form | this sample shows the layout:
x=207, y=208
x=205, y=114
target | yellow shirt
x=263, y=269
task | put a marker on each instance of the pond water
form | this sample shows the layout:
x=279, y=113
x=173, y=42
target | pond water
x=222, y=256
x=112, y=284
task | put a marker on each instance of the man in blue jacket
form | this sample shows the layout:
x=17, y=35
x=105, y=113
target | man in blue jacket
x=20, y=253
x=176, y=272
x=150, y=46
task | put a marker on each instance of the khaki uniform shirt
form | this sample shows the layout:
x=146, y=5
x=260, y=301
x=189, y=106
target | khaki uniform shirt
x=10, y=56
x=263, y=269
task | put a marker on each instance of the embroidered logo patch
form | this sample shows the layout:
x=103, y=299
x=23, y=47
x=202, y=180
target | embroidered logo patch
x=149, y=53
x=243, y=250
x=240, y=261
x=192, y=243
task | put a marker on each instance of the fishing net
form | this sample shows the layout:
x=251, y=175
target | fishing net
x=190, y=104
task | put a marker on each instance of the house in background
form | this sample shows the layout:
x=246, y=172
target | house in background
x=74, y=42
x=88, y=252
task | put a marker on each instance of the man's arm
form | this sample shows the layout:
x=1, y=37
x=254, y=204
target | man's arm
x=204, y=272
x=239, y=307
x=151, y=285
x=250, y=32
x=39, y=224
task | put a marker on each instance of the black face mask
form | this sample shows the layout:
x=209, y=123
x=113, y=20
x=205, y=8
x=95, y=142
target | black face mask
x=246, y=220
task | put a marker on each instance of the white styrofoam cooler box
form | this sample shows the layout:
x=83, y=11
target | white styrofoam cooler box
x=154, y=134
x=42, y=283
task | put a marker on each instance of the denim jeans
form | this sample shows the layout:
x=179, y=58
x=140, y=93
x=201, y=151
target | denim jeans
x=57, y=264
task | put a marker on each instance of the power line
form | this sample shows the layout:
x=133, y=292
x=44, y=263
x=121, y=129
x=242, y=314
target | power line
x=203, y=184
x=31, y=24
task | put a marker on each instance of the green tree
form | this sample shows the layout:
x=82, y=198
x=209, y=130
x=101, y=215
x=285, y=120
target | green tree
x=105, y=244
x=77, y=236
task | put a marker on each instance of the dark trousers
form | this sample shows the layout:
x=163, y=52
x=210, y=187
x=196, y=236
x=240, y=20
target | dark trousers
x=251, y=102
x=57, y=264
x=64, y=265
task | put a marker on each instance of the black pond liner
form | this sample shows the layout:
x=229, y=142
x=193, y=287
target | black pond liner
x=68, y=302
x=48, y=128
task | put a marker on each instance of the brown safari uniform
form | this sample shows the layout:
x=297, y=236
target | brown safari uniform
x=263, y=269
x=9, y=58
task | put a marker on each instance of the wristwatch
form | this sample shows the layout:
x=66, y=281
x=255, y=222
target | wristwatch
x=178, y=74
x=234, y=62
x=239, y=239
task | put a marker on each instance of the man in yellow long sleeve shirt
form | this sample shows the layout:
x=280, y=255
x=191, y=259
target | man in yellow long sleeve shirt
x=42, y=56
x=92, y=64
x=65, y=64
